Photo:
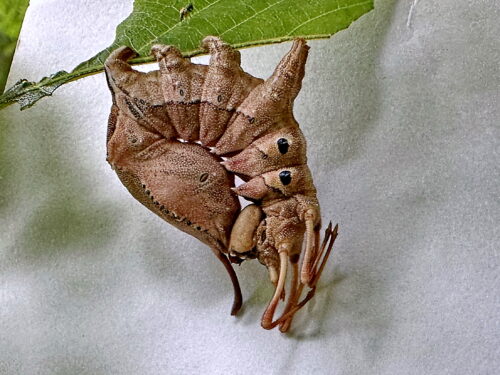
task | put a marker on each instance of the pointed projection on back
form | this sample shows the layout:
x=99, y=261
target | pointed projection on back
x=137, y=95
x=226, y=86
x=269, y=105
x=182, y=85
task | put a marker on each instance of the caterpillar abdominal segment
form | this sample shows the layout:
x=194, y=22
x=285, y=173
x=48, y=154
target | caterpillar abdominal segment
x=178, y=136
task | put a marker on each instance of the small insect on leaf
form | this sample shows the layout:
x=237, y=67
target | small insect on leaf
x=185, y=12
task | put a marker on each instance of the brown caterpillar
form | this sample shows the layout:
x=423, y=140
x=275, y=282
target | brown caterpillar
x=168, y=132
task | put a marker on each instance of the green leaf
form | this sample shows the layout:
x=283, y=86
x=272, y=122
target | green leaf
x=11, y=18
x=242, y=23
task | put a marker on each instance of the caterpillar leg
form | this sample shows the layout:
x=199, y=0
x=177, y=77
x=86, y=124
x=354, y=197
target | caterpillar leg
x=319, y=262
x=294, y=295
x=312, y=242
x=267, y=317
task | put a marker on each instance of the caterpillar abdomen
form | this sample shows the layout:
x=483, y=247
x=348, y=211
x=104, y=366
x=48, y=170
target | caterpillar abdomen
x=219, y=106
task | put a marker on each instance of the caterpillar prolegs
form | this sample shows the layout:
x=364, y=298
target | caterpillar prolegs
x=178, y=136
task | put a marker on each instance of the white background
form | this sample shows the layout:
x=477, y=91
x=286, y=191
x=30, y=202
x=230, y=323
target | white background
x=401, y=113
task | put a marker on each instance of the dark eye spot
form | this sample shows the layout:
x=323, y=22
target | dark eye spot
x=203, y=177
x=252, y=120
x=181, y=92
x=219, y=98
x=133, y=140
x=283, y=145
x=285, y=177
x=264, y=156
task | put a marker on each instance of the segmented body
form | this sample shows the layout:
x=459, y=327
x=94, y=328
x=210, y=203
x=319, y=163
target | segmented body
x=170, y=129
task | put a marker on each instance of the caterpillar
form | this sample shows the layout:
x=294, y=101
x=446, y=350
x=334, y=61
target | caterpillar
x=178, y=136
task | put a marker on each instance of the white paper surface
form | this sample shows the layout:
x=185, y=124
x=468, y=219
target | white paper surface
x=401, y=113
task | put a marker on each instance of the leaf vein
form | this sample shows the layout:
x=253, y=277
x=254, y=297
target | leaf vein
x=329, y=12
x=251, y=17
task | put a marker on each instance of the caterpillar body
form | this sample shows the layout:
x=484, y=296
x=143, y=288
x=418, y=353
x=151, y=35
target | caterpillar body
x=178, y=136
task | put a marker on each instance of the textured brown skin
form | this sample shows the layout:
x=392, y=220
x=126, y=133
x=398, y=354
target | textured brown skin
x=168, y=131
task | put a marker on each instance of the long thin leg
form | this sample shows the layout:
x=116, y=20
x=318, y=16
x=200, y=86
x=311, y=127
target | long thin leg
x=238, y=299
x=329, y=239
x=332, y=236
x=327, y=244
x=309, y=255
x=328, y=233
x=267, y=317
x=293, y=298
